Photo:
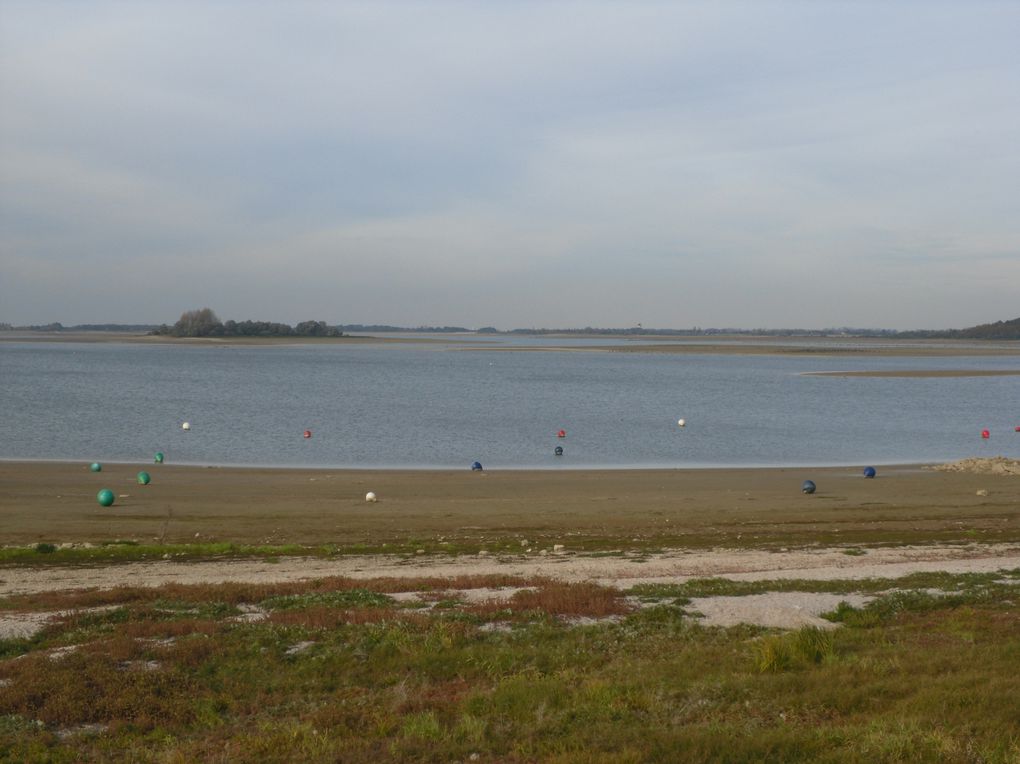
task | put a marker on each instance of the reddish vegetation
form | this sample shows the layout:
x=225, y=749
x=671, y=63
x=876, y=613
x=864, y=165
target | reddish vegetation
x=237, y=593
x=559, y=598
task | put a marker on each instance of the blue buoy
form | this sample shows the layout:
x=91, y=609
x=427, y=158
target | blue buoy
x=869, y=472
x=476, y=467
x=558, y=451
x=808, y=486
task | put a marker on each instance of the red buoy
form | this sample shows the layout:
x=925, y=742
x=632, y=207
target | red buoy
x=561, y=434
x=985, y=434
x=308, y=433
x=1017, y=428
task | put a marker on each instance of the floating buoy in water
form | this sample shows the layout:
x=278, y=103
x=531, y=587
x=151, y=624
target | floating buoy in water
x=105, y=497
x=681, y=422
x=1017, y=428
x=476, y=467
x=158, y=458
x=308, y=433
x=143, y=478
x=808, y=486
x=869, y=472
x=186, y=426
x=370, y=497
x=561, y=434
x=985, y=434
x=96, y=467
x=558, y=451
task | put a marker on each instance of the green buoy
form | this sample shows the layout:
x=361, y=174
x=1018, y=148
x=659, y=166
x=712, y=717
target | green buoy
x=105, y=497
x=158, y=458
x=96, y=467
x=143, y=478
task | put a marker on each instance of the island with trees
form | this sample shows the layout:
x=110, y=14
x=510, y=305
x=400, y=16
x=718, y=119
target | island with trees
x=203, y=322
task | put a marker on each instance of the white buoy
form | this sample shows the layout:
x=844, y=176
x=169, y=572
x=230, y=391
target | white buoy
x=186, y=426
x=370, y=497
x=681, y=422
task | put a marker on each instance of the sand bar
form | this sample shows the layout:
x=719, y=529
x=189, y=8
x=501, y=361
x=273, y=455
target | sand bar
x=716, y=345
x=921, y=373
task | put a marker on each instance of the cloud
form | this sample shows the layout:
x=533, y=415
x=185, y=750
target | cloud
x=511, y=163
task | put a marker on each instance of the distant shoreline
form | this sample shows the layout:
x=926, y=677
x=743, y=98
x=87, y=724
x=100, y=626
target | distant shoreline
x=144, y=338
x=718, y=345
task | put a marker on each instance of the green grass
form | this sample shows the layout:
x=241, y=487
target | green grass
x=339, y=672
x=719, y=587
x=335, y=599
x=121, y=550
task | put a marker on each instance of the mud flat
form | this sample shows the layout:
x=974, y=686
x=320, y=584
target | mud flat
x=55, y=502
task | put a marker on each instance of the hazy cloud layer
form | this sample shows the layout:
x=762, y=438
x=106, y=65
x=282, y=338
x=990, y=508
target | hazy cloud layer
x=511, y=163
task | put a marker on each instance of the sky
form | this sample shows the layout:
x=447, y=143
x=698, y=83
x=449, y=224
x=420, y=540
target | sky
x=511, y=163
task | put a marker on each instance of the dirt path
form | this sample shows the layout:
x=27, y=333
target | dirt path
x=773, y=609
x=622, y=571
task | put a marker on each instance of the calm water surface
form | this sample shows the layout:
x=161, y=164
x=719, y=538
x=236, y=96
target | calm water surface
x=440, y=406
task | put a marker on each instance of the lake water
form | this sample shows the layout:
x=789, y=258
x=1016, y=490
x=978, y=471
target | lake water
x=439, y=405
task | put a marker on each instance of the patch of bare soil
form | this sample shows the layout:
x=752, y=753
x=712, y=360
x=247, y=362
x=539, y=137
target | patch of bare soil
x=780, y=610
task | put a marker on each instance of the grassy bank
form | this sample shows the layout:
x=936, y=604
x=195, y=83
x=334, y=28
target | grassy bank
x=509, y=547
x=349, y=670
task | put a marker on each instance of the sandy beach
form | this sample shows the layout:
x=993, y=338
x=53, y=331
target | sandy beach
x=697, y=508
x=618, y=528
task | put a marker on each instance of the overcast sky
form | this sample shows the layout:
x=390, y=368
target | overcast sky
x=517, y=164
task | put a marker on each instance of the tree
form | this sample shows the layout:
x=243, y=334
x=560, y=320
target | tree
x=316, y=329
x=197, y=323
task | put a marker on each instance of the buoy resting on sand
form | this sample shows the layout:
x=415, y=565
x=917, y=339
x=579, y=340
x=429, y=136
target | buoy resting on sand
x=869, y=472
x=96, y=467
x=370, y=497
x=186, y=426
x=808, y=486
x=105, y=497
x=143, y=478
x=476, y=467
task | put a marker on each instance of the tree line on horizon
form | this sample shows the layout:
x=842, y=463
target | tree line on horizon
x=205, y=323
x=1000, y=330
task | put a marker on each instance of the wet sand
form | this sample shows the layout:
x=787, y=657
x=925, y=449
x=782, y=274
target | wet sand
x=698, y=508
